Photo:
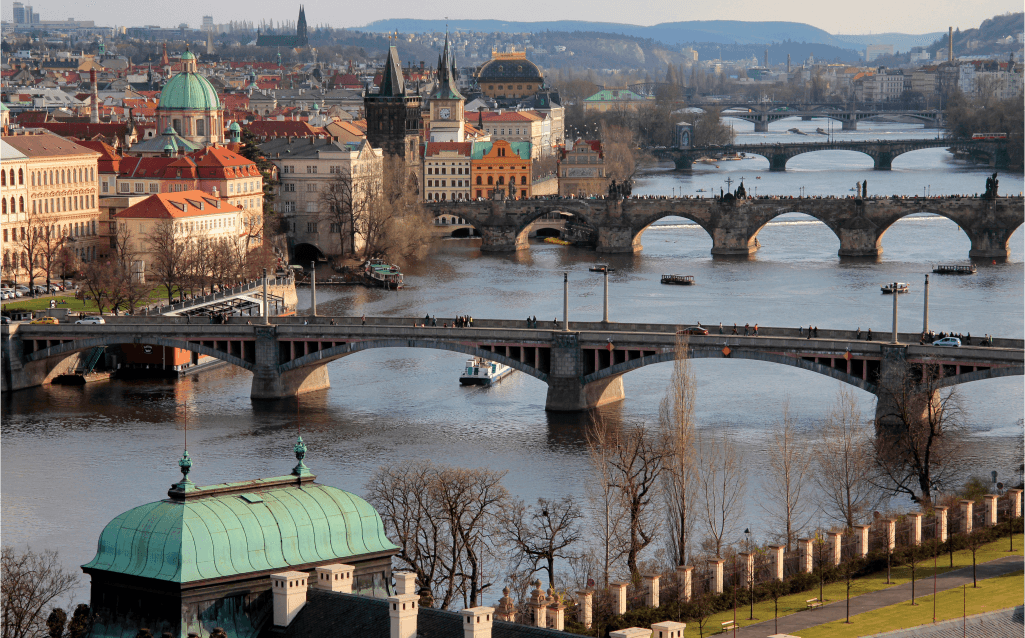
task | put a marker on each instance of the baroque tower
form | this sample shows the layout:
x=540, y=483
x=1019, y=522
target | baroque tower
x=393, y=114
x=446, y=118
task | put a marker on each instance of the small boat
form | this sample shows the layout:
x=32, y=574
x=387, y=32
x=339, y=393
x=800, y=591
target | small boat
x=602, y=268
x=730, y=157
x=706, y=160
x=701, y=190
x=377, y=273
x=678, y=280
x=557, y=241
x=821, y=131
x=954, y=269
x=901, y=288
x=483, y=372
x=796, y=131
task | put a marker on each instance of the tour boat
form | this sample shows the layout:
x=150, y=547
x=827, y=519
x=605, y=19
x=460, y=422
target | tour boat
x=821, y=131
x=557, y=241
x=377, y=273
x=796, y=131
x=602, y=268
x=678, y=280
x=901, y=288
x=483, y=372
x=951, y=269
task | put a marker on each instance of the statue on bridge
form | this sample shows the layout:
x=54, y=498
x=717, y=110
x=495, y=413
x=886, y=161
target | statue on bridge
x=620, y=190
x=741, y=191
x=991, y=187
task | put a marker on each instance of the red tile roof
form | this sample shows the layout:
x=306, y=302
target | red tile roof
x=177, y=205
x=433, y=148
x=46, y=145
x=276, y=128
x=85, y=130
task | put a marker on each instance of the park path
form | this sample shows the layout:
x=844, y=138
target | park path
x=877, y=599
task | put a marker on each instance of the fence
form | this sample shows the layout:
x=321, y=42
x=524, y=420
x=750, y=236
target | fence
x=223, y=294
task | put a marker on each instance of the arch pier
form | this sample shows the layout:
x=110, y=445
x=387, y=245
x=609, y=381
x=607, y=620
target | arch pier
x=616, y=225
x=582, y=367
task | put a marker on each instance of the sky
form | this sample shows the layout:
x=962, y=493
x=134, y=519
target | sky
x=862, y=17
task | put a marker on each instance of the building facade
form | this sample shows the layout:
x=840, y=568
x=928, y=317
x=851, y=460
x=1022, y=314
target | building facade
x=520, y=126
x=306, y=170
x=509, y=75
x=446, y=119
x=189, y=104
x=582, y=169
x=393, y=114
x=501, y=166
x=446, y=171
x=56, y=199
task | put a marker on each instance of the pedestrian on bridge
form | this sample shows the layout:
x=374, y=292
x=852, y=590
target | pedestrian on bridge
x=859, y=333
x=816, y=332
x=734, y=328
x=809, y=331
x=363, y=319
x=720, y=327
x=869, y=335
x=756, y=329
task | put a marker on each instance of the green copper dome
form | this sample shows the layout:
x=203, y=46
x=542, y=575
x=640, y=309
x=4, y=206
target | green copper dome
x=234, y=529
x=189, y=92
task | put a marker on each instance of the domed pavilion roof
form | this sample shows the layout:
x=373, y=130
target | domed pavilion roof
x=188, y=90
x=504, y=66
x=233, y=529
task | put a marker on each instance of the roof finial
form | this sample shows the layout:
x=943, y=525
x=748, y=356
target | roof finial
x=185, y=463
x=300, y=469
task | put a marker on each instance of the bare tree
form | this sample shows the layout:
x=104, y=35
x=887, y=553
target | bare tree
x=395, y=225
x=131, y=286
x=709, y=129
x=722, y=480
x=606, y=508
x=921, y=435
x=30, y=243
x=676, y=420
x=29, y=583
x=843, y=463
x=789, y=471
x=51, y=243
x=100, y=279
x=169, y=243
x=445, y=520
x=542, y=533
x=346, y=200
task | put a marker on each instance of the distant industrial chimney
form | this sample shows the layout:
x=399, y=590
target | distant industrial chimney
x=788, y=63
x=94, y=115
x=766, y=58
x=950, y=44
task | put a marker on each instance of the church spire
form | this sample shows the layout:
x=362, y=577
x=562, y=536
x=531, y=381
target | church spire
x=392, y=82
x=446, y=88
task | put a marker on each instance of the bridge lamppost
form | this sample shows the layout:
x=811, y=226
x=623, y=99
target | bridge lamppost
x=896, y=293
x=565, y=301
x=313, y=288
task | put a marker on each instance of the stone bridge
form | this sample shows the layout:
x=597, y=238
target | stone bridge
x=882, y=152
x=761, y=116
x=583, y=367
x=734, y=224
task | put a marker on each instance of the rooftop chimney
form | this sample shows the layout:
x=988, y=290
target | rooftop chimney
x=405, y=583
x=289, y=592
x=94, y=116
x=477, y=622
x=337, y=577
x=403, y=610
x=950, y=44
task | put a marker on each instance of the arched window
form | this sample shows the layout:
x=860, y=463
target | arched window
x=490, y=180
x=200, y=127
x=21, y=204
x=49, y=178
x=4, y=204
x=33, y=179
x=12, y=177
x=523, y=179
x=3, y=178
x=478, y=180
x=21, y=177
x=501, y=180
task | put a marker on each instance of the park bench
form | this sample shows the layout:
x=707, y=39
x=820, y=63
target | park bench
x=728, y=625
x=813, y=603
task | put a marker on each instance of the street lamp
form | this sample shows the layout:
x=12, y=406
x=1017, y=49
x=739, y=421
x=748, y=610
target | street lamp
x=751, y=574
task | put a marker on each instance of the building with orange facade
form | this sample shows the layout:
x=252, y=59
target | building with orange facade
x=503, y=166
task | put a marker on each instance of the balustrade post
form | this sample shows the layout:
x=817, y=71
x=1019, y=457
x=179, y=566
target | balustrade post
x=862, y=532
x=991, y=509
x=941, y=517
x=835, y=547
x=777, y=552
x=807, y=554
x=967, y=508
x=685, y=574
x=715, y=564
x=916, y=528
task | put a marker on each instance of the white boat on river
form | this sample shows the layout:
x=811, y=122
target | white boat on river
x=483, y=372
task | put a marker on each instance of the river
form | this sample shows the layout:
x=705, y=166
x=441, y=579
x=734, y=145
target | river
x=75, y=457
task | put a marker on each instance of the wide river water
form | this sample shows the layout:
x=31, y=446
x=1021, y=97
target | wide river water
x=75, y=457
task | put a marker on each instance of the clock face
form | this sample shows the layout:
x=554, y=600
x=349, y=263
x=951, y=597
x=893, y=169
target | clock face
x=445, y=113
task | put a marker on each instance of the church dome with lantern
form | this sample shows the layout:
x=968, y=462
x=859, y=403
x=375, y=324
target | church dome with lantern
x=190, y=105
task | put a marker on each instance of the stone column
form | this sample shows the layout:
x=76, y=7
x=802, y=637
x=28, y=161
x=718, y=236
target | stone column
x=565, y=392
x=651, y=586
x=941, y=518
x=506, y=607
x=631, y=632
x=807, y=554
x=556, y=611
x=777, y=560
x=715, y=564
x=748, y=561
x=862, y=532
x=889, y=532
x=991, y=509
x=835, y=547
x=618, y=598
x=668, y=629
x=269, y=383
x=966, y=516
x=537, y=603
x=585, y=607
x=1015, y=497
x=685, y=573
x=916, y=528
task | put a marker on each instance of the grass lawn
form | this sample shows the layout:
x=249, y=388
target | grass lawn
x=992, y=594
x=873, y=582
x=74, y=305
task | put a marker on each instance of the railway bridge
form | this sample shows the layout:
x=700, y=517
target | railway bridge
x=583, y=365
x=616, y=224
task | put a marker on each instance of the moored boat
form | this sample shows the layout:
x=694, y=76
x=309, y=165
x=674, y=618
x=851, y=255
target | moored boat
x=902, y=287
x=483, y=372
x=377, y=273
x=956, y=269
x=678, y=280
x=602, y=268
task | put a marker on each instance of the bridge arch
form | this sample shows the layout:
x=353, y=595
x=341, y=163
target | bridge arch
x=646, y=223
x=330, y=354
x=305, y=252
x=444, y=219
x=544, y=208
x=71, y=347
x=980, y=375
x=785, y=210
x=963, y=225
x=715, y=352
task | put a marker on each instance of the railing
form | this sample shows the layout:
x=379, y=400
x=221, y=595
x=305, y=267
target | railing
x=223, y=294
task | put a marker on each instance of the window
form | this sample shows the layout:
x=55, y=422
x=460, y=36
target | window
x=104, y=186
x=335, y=228
x=478, y=180
x=490, y=182
x=523, y=179
x=311, y=188
x=289, y=207
x=154, y=188
x=139, y=187
x=311, y=227
x=200, y=127
x=288, y=187
x=311, y=169
x=311, y=207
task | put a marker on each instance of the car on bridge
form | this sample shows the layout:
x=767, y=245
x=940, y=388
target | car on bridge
x=46, y=321
x=948, y=342
x=692, y=330
x=91, y=321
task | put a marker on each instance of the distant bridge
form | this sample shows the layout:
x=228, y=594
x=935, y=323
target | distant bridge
x=882, y=152
x=583, y=366
x=616, y=225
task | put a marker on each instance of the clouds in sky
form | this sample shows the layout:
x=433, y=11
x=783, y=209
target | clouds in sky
x=865, y=16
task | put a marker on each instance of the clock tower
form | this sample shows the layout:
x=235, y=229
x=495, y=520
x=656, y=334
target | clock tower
x=446, y=102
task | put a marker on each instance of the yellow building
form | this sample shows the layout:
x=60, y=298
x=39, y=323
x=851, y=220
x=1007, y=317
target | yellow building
x=502, y=166
x=509, y=75
x=51, y=206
